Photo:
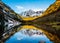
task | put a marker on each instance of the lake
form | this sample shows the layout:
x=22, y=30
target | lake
x=29, y=34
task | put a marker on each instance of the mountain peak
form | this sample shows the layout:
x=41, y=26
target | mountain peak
x=31, y=13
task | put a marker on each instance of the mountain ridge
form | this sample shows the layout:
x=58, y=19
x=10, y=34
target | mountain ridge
x=30, y=13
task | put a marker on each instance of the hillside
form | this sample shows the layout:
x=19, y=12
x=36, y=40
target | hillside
x=52, y=8
x=51, y=14
x=9, y=12
x=50, y=19
x=7, y=16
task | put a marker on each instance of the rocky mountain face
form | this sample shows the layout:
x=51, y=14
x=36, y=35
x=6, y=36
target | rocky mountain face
x=9, y=12
x=31, y=13
x=50, y=19
x=7, y=16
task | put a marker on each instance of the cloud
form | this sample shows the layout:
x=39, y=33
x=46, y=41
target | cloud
x=19, y=38
x=19, y=7
x=37, y=9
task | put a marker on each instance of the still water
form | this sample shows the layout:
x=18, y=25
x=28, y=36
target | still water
x=29, y=34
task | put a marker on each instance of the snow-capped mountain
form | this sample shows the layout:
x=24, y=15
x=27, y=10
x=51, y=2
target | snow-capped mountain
x=31, y=13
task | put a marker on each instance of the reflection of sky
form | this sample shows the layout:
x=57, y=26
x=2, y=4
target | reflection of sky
x=22, y=5
x=22, y=38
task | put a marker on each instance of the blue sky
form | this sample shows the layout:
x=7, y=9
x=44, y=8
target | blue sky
x=22, y=5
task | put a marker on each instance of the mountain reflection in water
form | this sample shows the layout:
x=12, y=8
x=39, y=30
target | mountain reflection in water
x=29, y=35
